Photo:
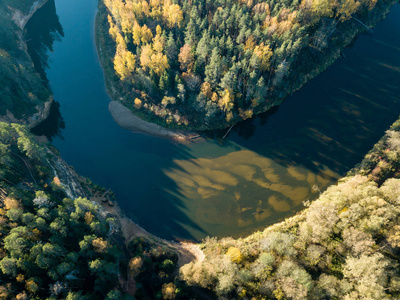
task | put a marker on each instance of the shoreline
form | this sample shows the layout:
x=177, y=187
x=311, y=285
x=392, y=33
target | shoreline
x=76, y=186
x=126, y=119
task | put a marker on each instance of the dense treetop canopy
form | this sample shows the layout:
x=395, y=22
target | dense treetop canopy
x=186, y=62
x=51, y=247
x=190, y=62
x=344, y=245
x=55, y=246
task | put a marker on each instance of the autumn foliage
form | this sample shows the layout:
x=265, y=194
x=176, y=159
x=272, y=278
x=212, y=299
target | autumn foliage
x=345, y=245
x=221, y=60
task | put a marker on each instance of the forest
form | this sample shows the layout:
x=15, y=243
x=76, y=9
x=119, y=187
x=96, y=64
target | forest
x=344, y=245
x=55, y=245
x=203, y=64
x=51, y=246
x=57, y=242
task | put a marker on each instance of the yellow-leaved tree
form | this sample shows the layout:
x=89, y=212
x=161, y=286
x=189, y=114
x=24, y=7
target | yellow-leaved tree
x=152, y=56
x=124, y=62
x=345, y=9
x=173, y=14
x=264, y=53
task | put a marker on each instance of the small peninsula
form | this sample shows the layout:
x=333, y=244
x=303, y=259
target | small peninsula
x=203, y=65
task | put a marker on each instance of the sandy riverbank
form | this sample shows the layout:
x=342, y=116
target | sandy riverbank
x=126, y=119
x=187, y=251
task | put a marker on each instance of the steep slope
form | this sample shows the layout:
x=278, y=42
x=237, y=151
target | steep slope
x=63, y=237
x=24, y=96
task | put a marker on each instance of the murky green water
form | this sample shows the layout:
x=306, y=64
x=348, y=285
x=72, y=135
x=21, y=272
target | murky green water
x=264, y=169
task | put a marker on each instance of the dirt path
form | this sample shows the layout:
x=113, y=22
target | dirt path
x=187, y=252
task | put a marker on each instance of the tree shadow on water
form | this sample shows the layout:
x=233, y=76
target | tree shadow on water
x=245, y=129
x=131, y=164
x=330, y=124
x=53, y=125
x=153, y=199
x=335, y=119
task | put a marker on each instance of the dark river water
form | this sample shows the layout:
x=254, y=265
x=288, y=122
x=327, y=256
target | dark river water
x=264, y=169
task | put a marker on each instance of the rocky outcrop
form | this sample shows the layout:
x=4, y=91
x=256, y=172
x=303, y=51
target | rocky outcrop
x=22, y=19
x=32, y=121
x=67, y=178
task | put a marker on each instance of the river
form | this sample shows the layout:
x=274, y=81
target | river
x=260, y=174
